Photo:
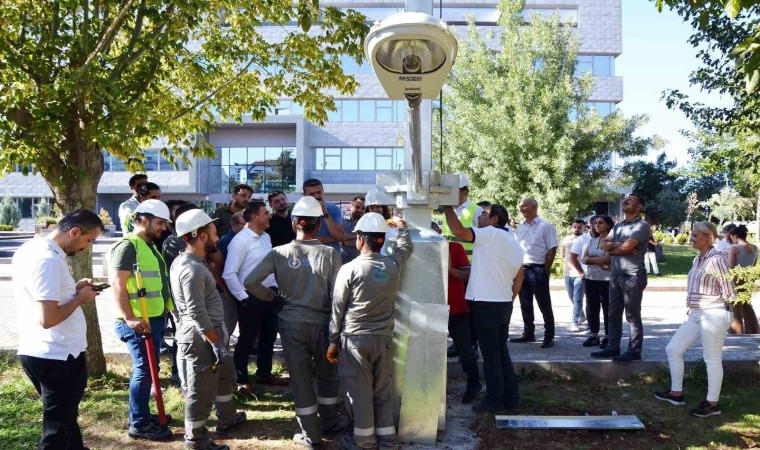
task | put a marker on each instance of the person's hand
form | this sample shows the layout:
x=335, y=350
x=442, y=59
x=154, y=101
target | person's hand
x=332, y=353
x=86, y=294
x=324, y=207
x=83, y=282
x=220, y=352
x=139, y=325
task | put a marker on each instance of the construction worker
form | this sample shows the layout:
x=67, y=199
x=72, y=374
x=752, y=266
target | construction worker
x=305, y=271
x=202, y=336
x=137, y=251
x=361, y=330
x=467, y=213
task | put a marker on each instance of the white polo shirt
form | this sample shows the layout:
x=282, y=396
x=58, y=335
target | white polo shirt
x=496, y=259
x=39, y=272
x=245, y=252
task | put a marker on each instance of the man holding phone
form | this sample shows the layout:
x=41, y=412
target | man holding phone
x=52, y=327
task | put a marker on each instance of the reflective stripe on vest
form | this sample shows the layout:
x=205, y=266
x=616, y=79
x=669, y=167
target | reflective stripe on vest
x=468, y=221
x=150, y=269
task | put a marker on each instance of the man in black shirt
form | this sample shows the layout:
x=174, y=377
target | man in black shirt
x=280, y=227
x=241, y=196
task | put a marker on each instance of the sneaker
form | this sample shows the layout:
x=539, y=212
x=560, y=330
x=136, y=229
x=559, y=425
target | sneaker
x=592, y=341
x=574, y=328
x=705, y=409
x=604, y=344
x=301, y=440
x=626, y=358
x=677, y=400
x=154, y=419
x=151, y=432
x=247, y=391
x=488, y=407
x=548, y=343
x=211, y=446
x=471, y=393
x=225, y=431
x=272, y=380
x=523, y=338
x=605, y=354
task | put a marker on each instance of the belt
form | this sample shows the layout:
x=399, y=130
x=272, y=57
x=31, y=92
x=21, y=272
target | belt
x=526, y=266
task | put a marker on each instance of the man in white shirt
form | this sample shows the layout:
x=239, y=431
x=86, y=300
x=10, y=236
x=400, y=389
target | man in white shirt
x=255, y=317
x=128, y=206
x=538, y=239
x=573, y=276
x=52, y=328
x=495, y=280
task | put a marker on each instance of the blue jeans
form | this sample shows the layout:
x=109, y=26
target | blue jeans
x=140, y=382
x=574, y=286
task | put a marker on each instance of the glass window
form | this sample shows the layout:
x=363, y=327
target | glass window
x=165, y=165
x=150, y=160
x=585, y=64
x=398, y=158
x=334, y=116
x=117, y=165
x=603, y=66
x=384, y=110
x=319, y=160
x=367, y=111
x=366, y=159
x=296, y=109
x=349, y=159
x=350, y=110
x=384, y=159
x=106, y=161
x=332, y=159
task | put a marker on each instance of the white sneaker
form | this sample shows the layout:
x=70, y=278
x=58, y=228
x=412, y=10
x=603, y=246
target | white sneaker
x=574, y=328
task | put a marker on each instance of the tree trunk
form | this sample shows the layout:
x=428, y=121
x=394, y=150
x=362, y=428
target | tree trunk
x=757, y=218
x=74, y=184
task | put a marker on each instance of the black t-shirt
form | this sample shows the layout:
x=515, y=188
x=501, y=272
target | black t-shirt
x=223, y=224
x=280, y=230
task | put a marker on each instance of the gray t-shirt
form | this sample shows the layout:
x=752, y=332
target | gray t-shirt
x=365, y=293
x=633, y=263
x=196, y=299
x=595, y=271
x=305, y=272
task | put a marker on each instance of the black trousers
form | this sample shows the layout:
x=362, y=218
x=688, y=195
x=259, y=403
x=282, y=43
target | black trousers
x=471, y=321
x=459, y=330
x=597, y=297
x=536, y=283
x=61, y=385
x=492, y=323
x=256, y=318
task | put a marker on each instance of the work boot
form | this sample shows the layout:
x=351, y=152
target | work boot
x=525, y=337
x=151, y=432
x=301, y=440
x=471, y=393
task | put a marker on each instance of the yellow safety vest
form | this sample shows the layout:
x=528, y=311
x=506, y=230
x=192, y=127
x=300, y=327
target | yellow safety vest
x=151, y=278
x=468, y=221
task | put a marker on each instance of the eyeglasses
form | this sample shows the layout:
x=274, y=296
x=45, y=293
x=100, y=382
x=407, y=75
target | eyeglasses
x=274, y=194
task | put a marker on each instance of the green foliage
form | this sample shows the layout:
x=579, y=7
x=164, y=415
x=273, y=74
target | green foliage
x=115, y=75
x=507, y=119
x=7, y=227
x=658, y=235
x=10, y=214
x=746, y=279
x=43, y=208
x=682, y=238
x=729, y=205
x=662, y=189
x=667, y=239
x=105, y=217
x=47, y=220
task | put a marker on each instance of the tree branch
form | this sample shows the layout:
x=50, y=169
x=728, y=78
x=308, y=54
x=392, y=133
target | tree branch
x=106, y=40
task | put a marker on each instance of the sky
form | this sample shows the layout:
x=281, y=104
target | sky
x=656, y=57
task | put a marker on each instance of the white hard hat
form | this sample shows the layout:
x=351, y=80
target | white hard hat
x=371, y=197
x=372, y=223
x=464, y=181
x=155, y=208
x=307, y=207
x=191, y=220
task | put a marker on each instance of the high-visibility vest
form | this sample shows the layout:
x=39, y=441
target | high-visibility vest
x=468, y=221
x=152, y=281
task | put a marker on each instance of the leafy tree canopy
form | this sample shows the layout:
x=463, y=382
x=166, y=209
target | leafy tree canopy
x=515, y=119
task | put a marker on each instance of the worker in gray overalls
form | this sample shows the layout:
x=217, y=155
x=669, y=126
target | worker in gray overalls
x=305, y=271
x=361, y=332
x=202, y=336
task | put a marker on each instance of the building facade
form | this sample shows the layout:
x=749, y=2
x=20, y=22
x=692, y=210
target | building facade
x=362, y=137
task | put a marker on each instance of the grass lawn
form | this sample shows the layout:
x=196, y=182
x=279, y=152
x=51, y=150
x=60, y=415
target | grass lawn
x=678, y=260
x=271, y=423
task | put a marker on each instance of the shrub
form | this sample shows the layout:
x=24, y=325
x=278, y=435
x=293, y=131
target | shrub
x=43, y=208
x=659, y=235
x=7, y=227
x=682, y=238
x=667, y=239
x=47, y=220
x=105, y=217
x=10, y=214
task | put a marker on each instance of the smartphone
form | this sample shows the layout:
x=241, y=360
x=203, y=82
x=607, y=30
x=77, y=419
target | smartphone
x=100, y=287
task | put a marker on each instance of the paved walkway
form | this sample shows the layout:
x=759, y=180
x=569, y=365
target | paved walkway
x=663, y=311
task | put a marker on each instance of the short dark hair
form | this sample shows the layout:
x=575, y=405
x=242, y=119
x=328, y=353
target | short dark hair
x=375, y=241
x=252, y=209
x=311, y=182
x=243, y=186
x=580, y=221
x=275, y=194
x=740, y=232
x=183, y=208
x=145, y=188
x=641, y=200
x=174, y=203
x=359, y=197
x=484, y=204
x=500, y=213
x=84, y=219
x=135, y=179
x=309, y=225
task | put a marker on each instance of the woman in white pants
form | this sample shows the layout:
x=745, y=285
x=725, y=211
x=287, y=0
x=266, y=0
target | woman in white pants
x=708, y=319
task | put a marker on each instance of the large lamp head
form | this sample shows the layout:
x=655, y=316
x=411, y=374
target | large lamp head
x=411, y=53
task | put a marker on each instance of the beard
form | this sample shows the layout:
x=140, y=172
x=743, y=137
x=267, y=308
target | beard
x=210, y=247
